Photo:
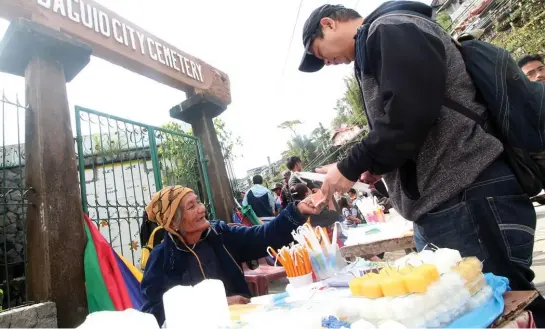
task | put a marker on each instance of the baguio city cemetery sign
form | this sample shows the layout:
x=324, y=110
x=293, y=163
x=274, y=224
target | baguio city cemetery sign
x=123, y=43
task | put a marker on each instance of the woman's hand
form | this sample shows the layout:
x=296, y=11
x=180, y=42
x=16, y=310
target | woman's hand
x=307, y=207
x=237, y=300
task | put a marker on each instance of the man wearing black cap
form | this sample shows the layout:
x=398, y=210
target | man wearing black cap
x=443, y=171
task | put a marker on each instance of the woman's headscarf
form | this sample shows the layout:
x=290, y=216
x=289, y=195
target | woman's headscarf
x=162, y=207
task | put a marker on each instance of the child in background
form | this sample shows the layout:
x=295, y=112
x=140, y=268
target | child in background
x=350, y=214
x=300, y=192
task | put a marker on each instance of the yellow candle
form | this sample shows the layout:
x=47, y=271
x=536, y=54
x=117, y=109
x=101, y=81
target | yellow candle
x=370, y=288
x=393, y=286
x=429, y=272
x=415, y=282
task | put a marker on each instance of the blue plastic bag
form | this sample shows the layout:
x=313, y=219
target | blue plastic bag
x=484, y=316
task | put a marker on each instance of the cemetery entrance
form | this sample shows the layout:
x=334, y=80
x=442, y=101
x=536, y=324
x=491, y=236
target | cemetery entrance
x=121, y=165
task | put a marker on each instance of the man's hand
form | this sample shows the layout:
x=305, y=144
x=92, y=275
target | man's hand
x=369, y=178
x=307, y=207
x=237, y=300
x=334, y=182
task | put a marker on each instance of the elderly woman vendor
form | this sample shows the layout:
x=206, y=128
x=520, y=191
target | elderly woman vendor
x=195, y=249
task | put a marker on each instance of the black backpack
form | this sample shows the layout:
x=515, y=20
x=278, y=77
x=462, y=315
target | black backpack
x=515, y=109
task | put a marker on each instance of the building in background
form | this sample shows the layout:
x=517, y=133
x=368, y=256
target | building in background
x=345, y=134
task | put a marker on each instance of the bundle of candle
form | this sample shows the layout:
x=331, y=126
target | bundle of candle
x=430, y=305
x=471, y=270
x=324, y=254
x=295, y=259
x=427, y=289
x=391, y=282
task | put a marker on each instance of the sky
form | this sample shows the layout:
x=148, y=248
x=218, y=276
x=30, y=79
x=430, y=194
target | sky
x=249, y=40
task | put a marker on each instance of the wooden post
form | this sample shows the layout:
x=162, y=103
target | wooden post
x=199, y=110
x=55, y=233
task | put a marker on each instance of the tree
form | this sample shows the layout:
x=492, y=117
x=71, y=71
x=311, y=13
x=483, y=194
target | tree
x=444, y=20
x=179, y=156
x=321, y=138
x=518, y=27
x=350, y=108
x=290, y=125
x=343, y=113
x=303, y=147
x=228, y=142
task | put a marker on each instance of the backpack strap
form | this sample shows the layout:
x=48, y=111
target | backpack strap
x=453, y=105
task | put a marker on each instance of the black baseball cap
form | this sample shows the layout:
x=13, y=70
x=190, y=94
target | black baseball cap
x=311, y=63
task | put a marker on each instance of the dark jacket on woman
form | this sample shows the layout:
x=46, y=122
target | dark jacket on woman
x=171, y=264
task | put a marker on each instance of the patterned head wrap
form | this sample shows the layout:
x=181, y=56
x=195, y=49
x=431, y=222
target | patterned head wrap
x=162, y=207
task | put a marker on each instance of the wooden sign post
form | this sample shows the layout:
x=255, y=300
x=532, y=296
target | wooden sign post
x=49, y=42
x=55, y=235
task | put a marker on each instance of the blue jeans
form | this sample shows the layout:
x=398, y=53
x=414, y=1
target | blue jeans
x=493, y=219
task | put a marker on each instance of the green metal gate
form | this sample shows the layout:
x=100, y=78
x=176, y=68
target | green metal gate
x=122, y=163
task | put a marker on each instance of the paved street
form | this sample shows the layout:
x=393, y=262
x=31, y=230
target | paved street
x=539, y=250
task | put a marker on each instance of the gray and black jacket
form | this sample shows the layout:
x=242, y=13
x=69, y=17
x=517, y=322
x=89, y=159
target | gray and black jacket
x=427, y=152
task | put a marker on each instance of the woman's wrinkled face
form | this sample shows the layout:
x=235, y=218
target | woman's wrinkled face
x=193, y=215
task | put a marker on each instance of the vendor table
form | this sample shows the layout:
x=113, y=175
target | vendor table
x=515, y=305
x=369, y=250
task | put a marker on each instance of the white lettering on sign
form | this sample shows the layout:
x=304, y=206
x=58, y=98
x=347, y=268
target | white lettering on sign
x=116, y=27
x=71, y=14
x=95, y=19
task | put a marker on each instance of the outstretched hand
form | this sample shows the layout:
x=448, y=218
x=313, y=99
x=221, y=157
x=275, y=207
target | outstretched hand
x=307, y=207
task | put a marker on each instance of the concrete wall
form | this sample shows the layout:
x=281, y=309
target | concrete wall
x=43, y=315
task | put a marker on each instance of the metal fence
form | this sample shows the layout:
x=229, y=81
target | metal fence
x=122, y=163
x=13, y=204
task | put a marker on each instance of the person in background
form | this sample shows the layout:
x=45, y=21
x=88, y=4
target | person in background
x=533, y=66
x=349, y=213
x=353, y=194
x=300, y=192
x=286, y=194
x=295, y=165
x=260, y=198
x=195, y=249
x=278, y=193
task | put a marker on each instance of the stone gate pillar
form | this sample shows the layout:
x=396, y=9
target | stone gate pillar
x=55, y=233
x=199, y=110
